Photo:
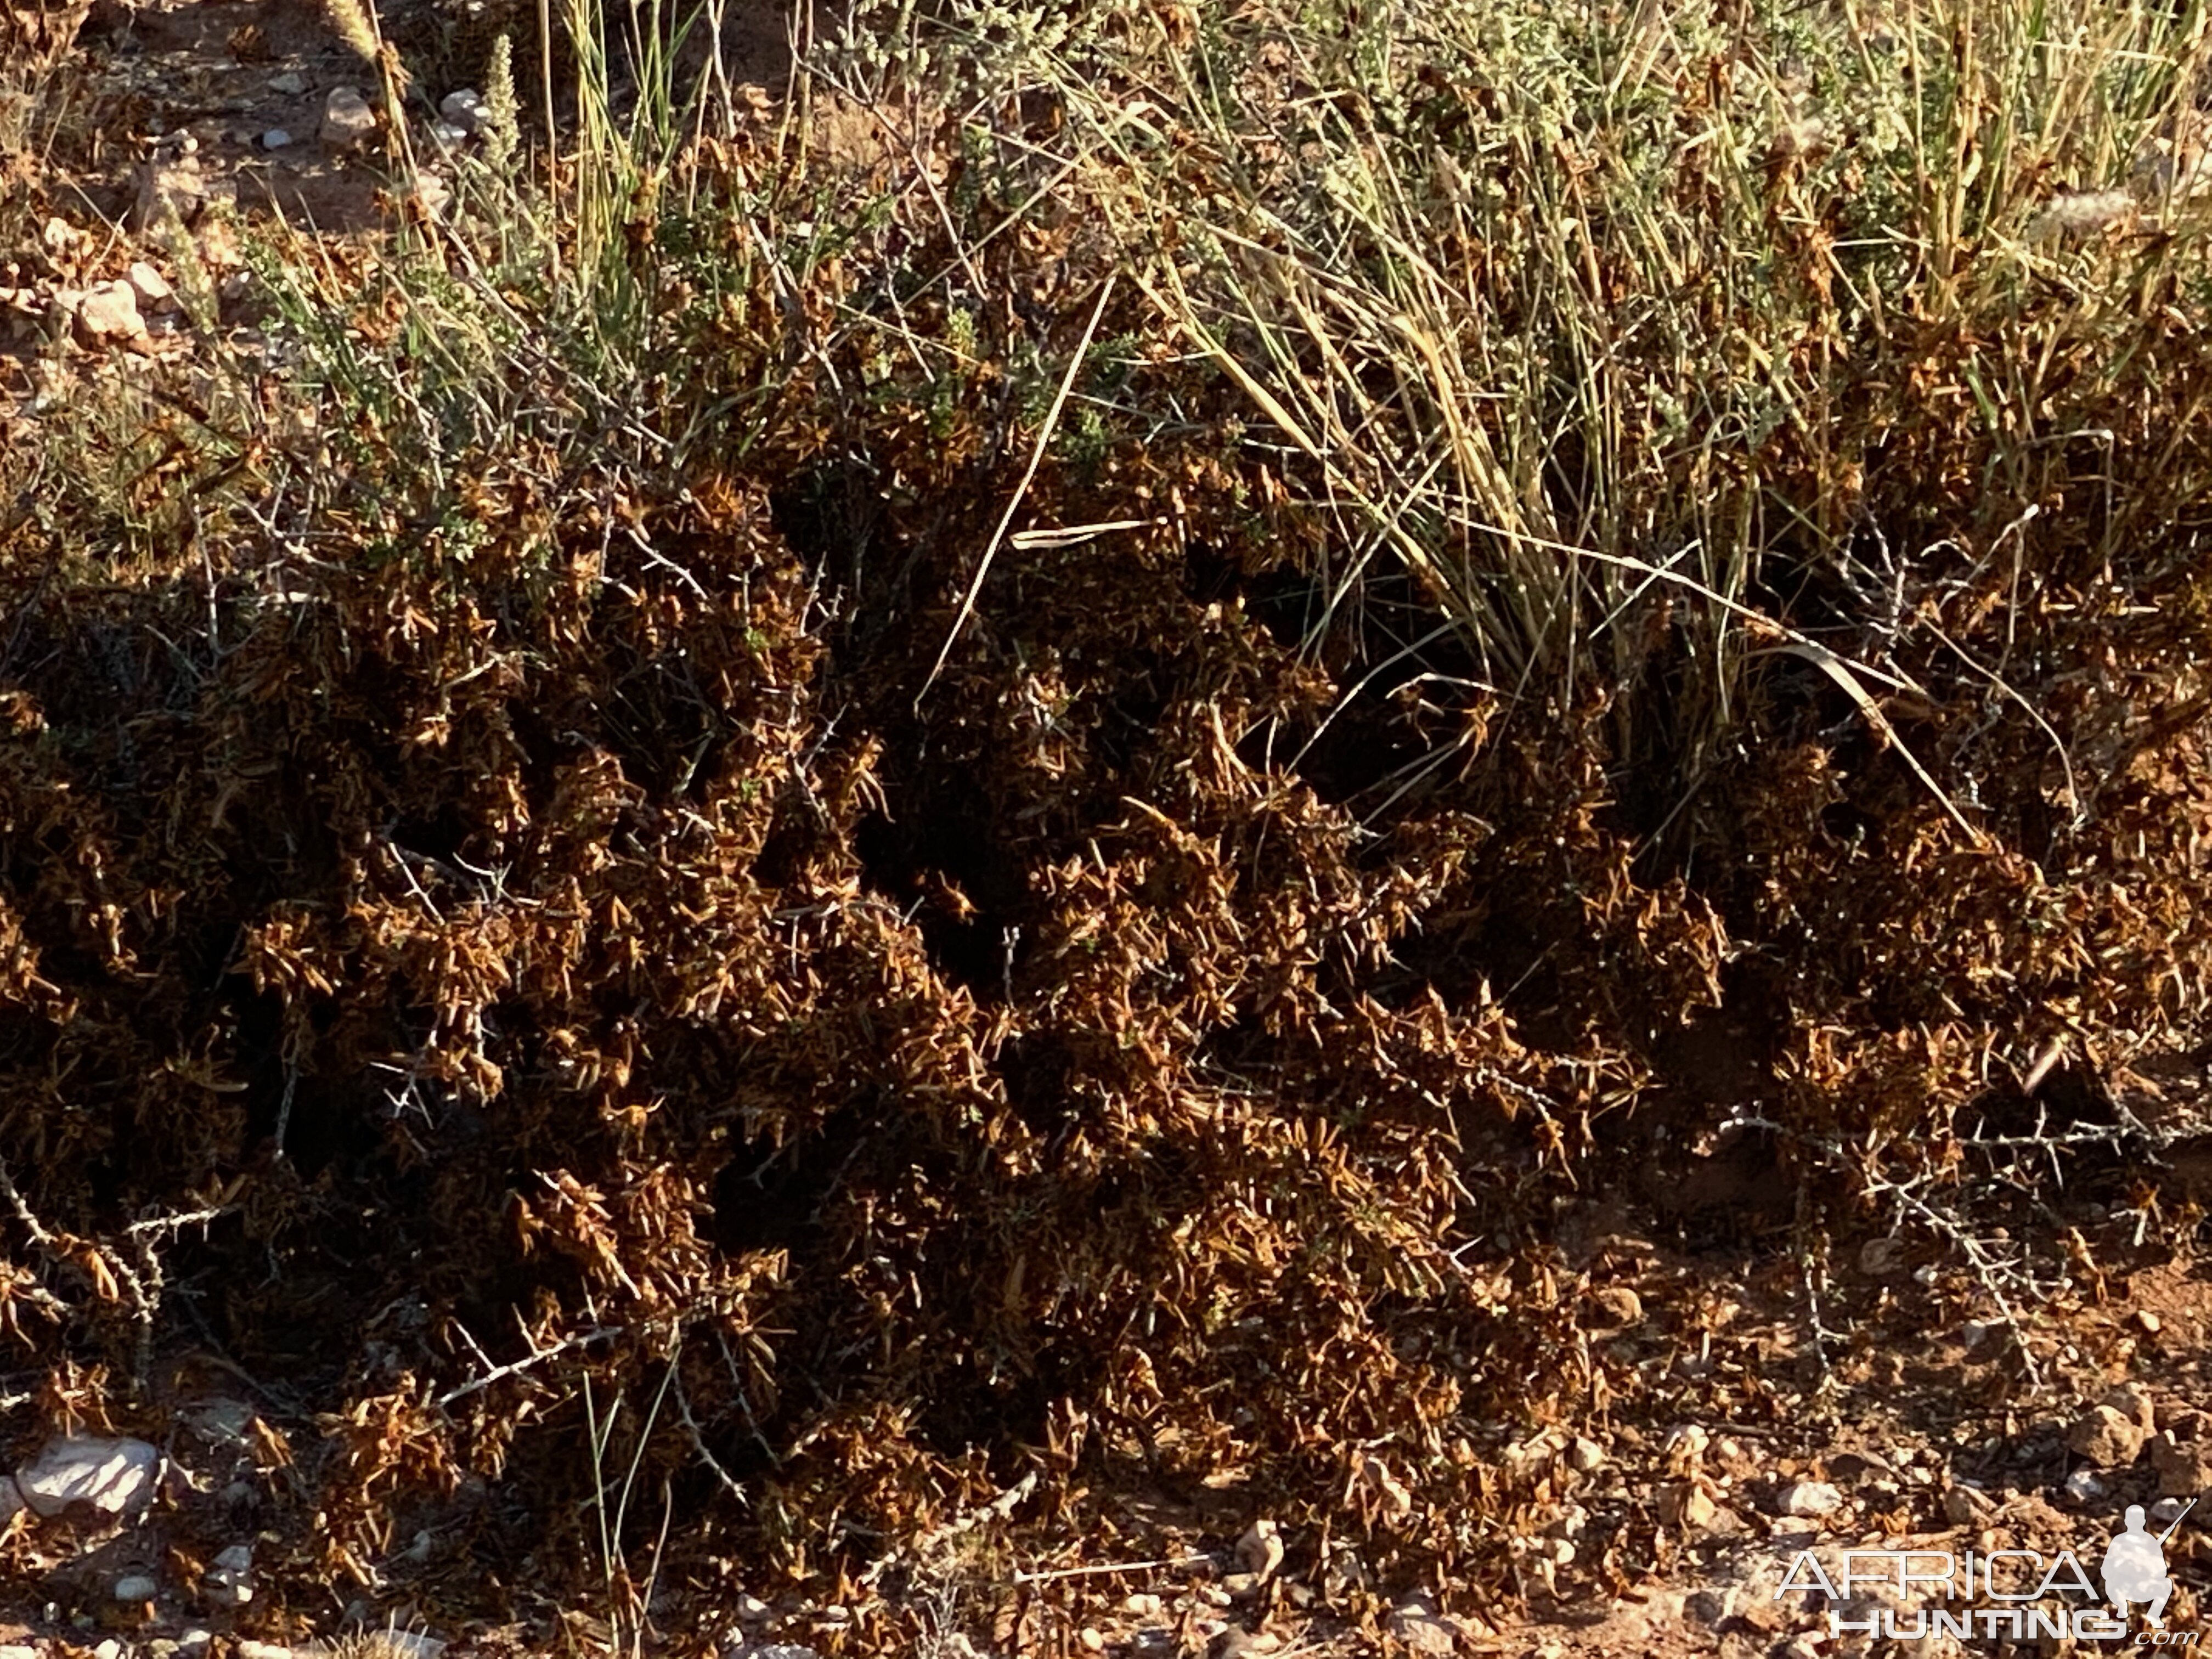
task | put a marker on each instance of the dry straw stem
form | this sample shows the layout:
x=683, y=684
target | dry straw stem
x=357, y=24
x=1050, y=424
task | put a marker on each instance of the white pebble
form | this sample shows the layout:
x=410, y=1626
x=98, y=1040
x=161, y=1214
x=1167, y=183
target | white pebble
x=1810, y=1497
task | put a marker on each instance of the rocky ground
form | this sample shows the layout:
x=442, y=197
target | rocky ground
x=126, y=1550
x=172, y=108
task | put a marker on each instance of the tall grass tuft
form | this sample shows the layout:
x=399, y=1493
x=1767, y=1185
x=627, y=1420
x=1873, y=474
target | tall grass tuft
x=1587, y=317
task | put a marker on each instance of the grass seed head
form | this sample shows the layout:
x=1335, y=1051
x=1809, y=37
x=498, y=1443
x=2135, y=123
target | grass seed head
x=352, y=25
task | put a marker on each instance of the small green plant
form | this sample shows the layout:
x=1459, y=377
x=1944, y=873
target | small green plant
x=629, y=1605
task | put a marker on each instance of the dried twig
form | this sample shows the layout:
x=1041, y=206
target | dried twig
x=536, y=1357
x=1174, y=1564
x=1021, y=490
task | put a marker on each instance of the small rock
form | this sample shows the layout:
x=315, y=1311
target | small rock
x=1260, y=1550
x=152, y=287
x=2184, y=1467
x=1143, y=1604
x=1710, y=1607
x=16, y=1650
x=2167, y=1511
x=228, y=1580
x=751, y=1606
x=136, y=1586
x=61, y=239
x=170, y=185
x=2083, y=1488
x=1809, y=1500
x=1858, y=1465
x=1881, y=1257
x=2149, y=1322
x=348, y=121
x=464, y=109
x=2134, y=1402
x=193, y=1641
x=771, y=1651
x=290, y=84
x=11, y=1500
x=1964, y=1506
x=2107, y=1438
x=1090, y=1640
x=432, y=193
x=1616, y=1307
x=1585, y=1456
x=115, y=1477
x=447, y=136
x=275, y=138
x=110, y=1648
x=1422, y=1631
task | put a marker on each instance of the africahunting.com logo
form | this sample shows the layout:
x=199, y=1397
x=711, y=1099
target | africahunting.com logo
x=2019, y=1596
